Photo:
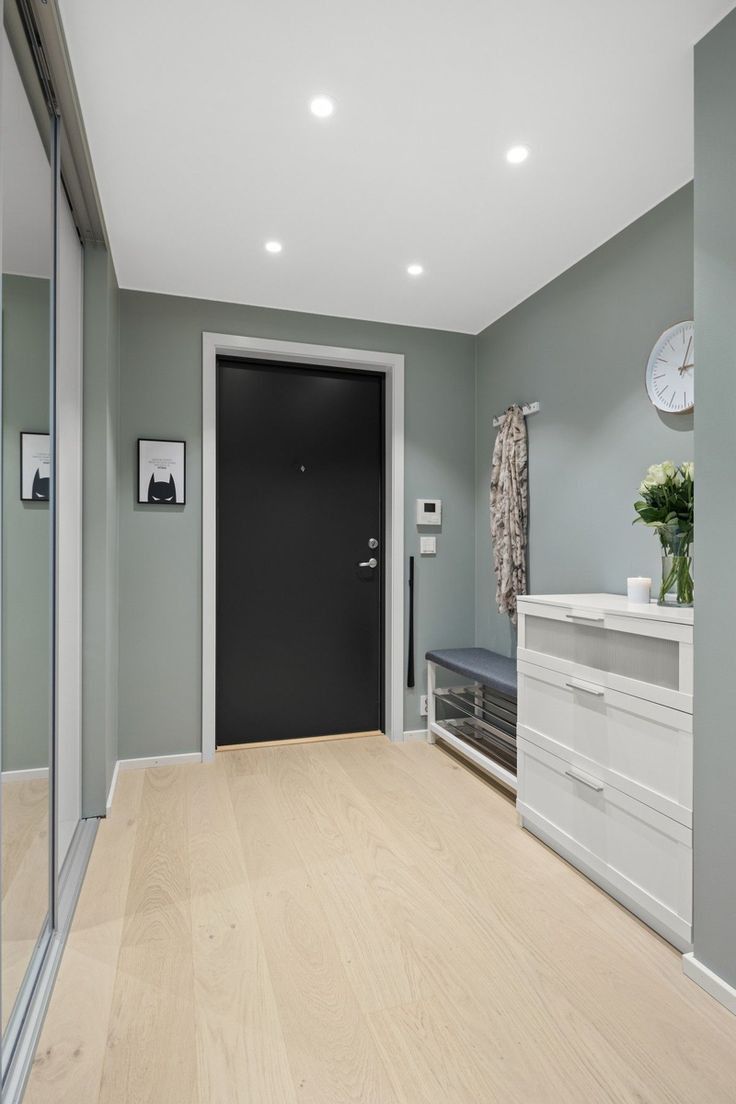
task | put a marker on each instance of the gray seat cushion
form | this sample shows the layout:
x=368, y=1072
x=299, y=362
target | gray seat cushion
x=481, y=665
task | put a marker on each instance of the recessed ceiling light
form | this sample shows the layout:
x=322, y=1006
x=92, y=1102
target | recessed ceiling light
x=273, y=247
x=517, y=154
x=322, y=107
x=415, y=269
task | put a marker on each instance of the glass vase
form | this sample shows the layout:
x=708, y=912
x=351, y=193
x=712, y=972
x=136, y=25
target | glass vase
x=677, y=588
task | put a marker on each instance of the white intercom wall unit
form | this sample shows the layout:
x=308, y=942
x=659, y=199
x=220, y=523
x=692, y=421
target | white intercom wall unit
x=429, y=511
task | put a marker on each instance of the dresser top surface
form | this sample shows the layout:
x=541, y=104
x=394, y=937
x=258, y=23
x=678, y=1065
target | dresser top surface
x=610, y=603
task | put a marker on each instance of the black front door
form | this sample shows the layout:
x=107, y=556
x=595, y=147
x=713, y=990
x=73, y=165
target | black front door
x=299, y=577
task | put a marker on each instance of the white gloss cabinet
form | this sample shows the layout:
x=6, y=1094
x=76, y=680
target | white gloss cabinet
x=605, y=746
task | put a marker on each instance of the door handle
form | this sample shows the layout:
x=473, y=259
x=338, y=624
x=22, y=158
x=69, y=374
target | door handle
x=591, y=783
x=584, y=617
x=372, y=562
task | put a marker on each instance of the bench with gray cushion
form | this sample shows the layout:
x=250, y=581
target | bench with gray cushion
x=481, y=665
x=478, y=721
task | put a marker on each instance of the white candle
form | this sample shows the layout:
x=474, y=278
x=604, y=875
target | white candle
x=639, y=589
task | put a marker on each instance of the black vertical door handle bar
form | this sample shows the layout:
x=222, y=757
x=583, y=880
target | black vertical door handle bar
x=410, y=668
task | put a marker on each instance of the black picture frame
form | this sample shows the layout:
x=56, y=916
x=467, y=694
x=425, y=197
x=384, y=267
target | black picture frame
x=31, y=495
x=167, y=461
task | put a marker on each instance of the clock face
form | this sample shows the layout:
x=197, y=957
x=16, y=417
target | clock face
x=671, y=370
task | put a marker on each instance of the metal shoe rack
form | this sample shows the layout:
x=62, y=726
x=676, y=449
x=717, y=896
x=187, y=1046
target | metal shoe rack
x=482, y=718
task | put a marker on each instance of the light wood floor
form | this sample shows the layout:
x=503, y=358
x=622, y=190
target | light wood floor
x=25, y=879
x=359, y=921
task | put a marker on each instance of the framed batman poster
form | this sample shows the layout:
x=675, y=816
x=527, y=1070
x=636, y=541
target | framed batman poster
x=35, y=467
x=161, y=472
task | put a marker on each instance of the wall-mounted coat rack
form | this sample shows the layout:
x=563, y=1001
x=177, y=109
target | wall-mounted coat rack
x=526, y=410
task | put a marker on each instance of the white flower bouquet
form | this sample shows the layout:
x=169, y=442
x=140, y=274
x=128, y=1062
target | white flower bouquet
x=666, y=504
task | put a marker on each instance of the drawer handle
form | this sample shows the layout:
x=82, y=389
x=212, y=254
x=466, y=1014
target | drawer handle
x=596, y=691
x=582, y=617
x=589, y=782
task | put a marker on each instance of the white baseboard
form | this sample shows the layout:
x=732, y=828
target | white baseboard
x=27, y=775
x=113, y=784
x=416, y=734
x=160, y=760
x=714, y=985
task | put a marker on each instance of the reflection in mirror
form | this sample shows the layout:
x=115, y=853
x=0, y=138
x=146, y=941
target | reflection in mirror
x=27, y=260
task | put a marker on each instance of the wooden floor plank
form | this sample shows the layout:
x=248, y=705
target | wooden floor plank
x=379, y=962
x=360, y=921
x=153, y=997
x=332, y=1053
x=237, y=1023
x=69, y=1060
x=25, y=875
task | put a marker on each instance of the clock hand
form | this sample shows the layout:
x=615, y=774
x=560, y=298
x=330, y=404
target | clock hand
x=687, y=351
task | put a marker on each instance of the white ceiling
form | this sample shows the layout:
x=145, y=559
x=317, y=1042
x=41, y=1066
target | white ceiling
x=26, y=190
x=204, y=147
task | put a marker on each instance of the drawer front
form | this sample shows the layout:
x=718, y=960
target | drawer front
x=618, y=616
x=637, y=854
x=642, y=748
x=657, y=667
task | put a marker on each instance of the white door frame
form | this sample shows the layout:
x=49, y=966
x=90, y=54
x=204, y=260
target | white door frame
x=307, y=356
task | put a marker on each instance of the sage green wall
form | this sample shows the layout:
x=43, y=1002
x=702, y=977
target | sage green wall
x=714, y=829
x=579, y=346
x=100, y=529
x=26, y=557
x=160, y=550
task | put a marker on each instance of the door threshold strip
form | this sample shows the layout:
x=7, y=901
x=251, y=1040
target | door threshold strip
x=301, y=740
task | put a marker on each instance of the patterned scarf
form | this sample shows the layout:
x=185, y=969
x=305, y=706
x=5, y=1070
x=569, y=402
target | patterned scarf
x=509, y=510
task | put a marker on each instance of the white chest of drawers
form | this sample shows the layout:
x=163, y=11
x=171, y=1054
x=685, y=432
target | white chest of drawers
x=605, y=740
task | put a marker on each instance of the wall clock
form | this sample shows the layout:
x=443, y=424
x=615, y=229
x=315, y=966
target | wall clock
x=670, y=375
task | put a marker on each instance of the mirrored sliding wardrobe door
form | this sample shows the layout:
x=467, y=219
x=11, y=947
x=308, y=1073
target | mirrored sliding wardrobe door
x=27, y=624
